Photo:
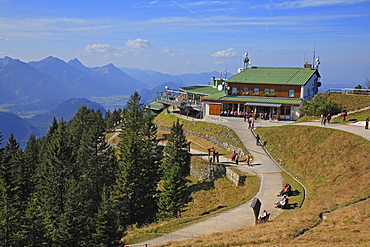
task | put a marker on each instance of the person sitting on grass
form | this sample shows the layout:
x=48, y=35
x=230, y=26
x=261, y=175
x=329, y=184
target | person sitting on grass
x=282, y=203
x=286, y=191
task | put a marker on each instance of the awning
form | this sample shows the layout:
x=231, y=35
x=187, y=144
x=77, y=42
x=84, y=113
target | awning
x=214, y=103
x=263, y=104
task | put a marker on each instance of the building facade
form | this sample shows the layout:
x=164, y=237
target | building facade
x=275, y=92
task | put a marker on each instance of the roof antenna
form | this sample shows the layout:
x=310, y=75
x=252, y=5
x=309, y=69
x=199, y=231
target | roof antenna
x=246, y=61
x=316, y=61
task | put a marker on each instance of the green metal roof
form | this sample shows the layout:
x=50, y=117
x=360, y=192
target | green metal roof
x=274, y=75
x=200, y=89
x=155, y=105
x=253, y=99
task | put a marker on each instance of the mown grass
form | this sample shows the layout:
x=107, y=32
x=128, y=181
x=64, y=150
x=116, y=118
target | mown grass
x=307, y=119
x=334, y=167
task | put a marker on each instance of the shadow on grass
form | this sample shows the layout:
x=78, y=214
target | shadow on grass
x=213, y=210
x=294, y=193
x=291, y=206
x=352, y=119
x=207, y=185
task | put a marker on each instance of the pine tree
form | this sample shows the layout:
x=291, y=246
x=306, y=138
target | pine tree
x=53, y=174
x=107, y=231
x=11, y=198
x=95, y=164
x=138, y=165
x=175, y=168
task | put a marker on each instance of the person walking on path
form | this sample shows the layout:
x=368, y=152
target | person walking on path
x=323, y=119
x=257, y=140
x=328, y=117
x=367, y=123
x=248, y=159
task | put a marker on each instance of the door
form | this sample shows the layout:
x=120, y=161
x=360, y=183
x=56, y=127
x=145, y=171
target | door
x=214, y=109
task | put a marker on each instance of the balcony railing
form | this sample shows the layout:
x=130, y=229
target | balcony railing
x=181, y=103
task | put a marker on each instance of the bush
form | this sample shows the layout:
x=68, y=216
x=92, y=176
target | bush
x=320, y=105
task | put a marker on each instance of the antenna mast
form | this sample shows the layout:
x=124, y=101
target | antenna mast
x=246, y=61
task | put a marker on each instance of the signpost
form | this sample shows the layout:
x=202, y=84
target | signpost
x=256, y=206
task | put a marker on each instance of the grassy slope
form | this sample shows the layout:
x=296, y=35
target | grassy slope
x=350, y=102
x=334, y=167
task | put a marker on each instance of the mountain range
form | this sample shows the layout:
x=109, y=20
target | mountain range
x=34, y=90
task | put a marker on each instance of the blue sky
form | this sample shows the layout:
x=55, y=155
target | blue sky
x=181, y=36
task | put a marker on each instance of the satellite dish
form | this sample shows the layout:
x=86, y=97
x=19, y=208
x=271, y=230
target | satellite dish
x=220, y=87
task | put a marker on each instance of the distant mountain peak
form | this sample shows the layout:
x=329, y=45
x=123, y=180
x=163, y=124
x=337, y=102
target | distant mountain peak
x=6, y=60
x=77, y=64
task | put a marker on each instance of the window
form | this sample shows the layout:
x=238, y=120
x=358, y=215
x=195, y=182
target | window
x=256, y=91
x=269, y=91
x=291, y=93
x=234, y=90
x=245, y=90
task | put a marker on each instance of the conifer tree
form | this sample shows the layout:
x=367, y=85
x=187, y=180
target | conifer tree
x=138, y=164
x=107, y=231
x=175, y=168
x=11, y=198
x=53, y=175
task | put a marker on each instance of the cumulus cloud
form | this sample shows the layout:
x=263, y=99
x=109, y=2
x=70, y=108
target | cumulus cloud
x=225, y=53
x=97, y=48
x=137, y=45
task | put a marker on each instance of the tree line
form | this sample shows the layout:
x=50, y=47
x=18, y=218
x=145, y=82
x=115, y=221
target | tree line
x=70, y=188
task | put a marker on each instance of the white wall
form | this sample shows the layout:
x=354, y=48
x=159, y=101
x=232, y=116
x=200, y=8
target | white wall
x=308, y=90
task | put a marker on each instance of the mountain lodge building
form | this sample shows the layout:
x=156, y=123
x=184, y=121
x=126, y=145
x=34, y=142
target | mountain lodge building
x=277, y=92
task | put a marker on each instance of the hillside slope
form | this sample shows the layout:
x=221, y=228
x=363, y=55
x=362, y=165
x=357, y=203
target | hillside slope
x=12, y=124
x=334, y=167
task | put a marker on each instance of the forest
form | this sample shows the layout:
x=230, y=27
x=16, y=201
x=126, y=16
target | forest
x=71, y=188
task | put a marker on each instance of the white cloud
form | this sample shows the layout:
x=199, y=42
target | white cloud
x=219, y=62
x=225, y=53
x=97, y=48
x=205, y=3
x=137, y=45
x=3, y=38
x=165, y=50
x=311, y=3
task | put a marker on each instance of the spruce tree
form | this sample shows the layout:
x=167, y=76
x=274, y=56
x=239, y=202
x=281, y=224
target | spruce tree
x=107, y=231
x=54, y=172
x=138, y=165
x=175, y=168
x=12, y=204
